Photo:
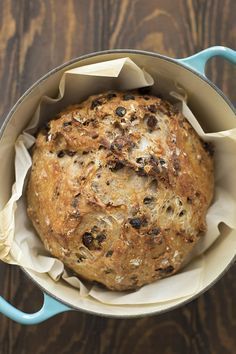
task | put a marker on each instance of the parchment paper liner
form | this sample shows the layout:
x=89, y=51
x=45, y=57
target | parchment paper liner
x=19, y=243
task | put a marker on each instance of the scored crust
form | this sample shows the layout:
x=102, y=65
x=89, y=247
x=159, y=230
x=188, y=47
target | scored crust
x=119, y=188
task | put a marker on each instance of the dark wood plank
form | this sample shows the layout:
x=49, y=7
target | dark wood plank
x=36, y=36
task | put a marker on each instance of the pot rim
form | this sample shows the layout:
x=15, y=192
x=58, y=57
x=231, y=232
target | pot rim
x=153, y=313
x=110, y=51
x=64, y=65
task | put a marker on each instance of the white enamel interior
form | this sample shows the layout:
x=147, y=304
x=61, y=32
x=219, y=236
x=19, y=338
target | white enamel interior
x=206, y=103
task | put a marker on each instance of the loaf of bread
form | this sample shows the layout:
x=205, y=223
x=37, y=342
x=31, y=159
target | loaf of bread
x=119, y=188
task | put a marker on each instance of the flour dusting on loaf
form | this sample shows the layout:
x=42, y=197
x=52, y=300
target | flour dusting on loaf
x=119, y=188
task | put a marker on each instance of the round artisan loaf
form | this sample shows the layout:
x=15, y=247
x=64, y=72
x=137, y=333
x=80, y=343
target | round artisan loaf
x=119, y=188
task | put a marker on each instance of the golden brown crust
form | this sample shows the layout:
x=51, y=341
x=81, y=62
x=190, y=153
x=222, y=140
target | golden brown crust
x=119, y=188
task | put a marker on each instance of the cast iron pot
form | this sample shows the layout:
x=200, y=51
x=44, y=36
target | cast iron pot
x=208, y=103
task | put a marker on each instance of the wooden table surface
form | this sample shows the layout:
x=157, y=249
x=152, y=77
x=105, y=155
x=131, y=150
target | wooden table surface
x=36, y=36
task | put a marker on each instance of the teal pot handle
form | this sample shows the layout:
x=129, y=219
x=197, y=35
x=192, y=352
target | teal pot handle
x=198, y=61
x=50, y=308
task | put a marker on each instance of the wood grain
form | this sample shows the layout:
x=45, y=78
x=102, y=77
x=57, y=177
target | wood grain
x=36, y=36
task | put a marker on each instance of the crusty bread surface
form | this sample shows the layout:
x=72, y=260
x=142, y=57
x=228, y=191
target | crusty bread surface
x=119, y=188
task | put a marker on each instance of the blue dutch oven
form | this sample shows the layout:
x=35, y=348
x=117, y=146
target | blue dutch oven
x=214, y=112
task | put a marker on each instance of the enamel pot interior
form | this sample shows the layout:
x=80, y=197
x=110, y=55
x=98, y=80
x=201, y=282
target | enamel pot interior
x=207, y=103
